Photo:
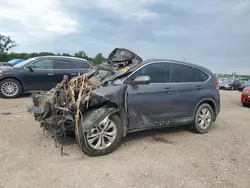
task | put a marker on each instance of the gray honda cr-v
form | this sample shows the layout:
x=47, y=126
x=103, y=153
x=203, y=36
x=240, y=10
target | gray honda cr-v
x=150, y=94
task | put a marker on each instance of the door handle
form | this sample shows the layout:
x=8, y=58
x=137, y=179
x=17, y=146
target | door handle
x=168, y=90
x=50, y=74
x=199, y=87
x=73, y=74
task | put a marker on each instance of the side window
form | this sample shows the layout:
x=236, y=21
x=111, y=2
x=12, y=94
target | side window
x=182, y=73
x=43, y=64
x=61, y=64
x=158, y=72
x=79, y=65
x=200, y=75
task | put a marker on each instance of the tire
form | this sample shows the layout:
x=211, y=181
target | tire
x=198, y=128
x=244, y=104
x=15, y=85
x=91, y=151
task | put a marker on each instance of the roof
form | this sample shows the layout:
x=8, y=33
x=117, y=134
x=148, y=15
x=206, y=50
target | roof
x=63, y=57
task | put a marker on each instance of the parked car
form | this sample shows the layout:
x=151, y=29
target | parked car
x=246, y=84
x=221, y=79
x=39, y=73
x=230, y=84
x=150, y=94
x=245, y=96
x=15, y=61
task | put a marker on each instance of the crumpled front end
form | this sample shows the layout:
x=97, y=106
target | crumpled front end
x=79, y=101
x=78, y=105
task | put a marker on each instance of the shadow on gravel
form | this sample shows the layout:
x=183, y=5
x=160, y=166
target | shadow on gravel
x=24, y=95
x=156, y=135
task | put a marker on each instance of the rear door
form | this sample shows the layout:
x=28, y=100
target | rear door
x=188, y=83
x=61, y=68
x=150, y=105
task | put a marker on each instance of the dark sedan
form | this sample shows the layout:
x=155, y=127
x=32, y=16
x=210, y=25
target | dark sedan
x=39, y=73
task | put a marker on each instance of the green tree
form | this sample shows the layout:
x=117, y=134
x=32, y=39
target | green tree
x=6, y=43
x=81, y=54
x=99, y=59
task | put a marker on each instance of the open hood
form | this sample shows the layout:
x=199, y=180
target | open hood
x=123, y=57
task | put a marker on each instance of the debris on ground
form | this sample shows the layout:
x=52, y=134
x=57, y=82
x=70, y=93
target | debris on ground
x=6, y=113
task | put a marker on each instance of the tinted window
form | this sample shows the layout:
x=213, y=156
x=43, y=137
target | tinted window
x=158, y=72
x=61, y=64
x=182, y=73
x=200, y=75
x=43, y=64
x=79, y=65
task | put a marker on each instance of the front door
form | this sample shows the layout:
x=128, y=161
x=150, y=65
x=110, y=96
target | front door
x=150, y=105
x=41, y=76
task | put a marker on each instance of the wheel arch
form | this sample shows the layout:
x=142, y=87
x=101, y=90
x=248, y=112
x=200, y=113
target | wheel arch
x=15, y=78
x=122, y=115
x=210, y=102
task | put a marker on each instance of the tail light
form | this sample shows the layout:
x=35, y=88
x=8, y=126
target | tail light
x=217, y=84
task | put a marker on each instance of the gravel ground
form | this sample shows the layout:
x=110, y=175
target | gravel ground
x=164, y=158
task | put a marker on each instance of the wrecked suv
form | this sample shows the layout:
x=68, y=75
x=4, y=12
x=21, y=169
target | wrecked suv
x=125, y=95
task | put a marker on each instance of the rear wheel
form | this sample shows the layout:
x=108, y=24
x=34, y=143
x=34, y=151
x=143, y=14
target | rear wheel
x=101, y=139
x=10, y=88
x=203, y=119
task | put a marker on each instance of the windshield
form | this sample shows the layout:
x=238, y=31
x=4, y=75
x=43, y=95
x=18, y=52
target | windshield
x=103, y=75
x=23, y=63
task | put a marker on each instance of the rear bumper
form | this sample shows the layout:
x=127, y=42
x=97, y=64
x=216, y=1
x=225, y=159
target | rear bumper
x=245, y=98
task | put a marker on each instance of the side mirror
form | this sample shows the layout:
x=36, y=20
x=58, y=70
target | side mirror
x=141, y=80
x=30, y=68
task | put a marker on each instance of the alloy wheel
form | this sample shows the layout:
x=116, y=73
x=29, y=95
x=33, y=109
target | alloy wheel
x=102, y=136
x=9, y=89
x=204, y=118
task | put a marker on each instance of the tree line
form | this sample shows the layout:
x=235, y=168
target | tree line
x=6, y=43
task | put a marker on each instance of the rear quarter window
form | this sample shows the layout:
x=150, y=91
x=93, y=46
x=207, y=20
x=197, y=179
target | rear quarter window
x=182, y=73
x=200, y=75
x=79, y=65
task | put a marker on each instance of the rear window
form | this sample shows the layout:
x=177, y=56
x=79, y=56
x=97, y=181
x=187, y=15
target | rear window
x=79, y=65
x=200, y=75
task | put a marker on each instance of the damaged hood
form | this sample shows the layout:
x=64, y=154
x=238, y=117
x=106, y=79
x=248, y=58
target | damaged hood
x=122, y=56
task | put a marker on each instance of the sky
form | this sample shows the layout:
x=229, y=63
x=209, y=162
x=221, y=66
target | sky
x=214, y=34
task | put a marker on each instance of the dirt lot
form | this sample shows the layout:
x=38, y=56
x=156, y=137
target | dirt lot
x=163, y=158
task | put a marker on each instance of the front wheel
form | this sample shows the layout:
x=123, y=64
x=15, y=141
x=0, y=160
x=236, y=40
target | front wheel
x=101, y=139
x=203, y=119
x=10, y=88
